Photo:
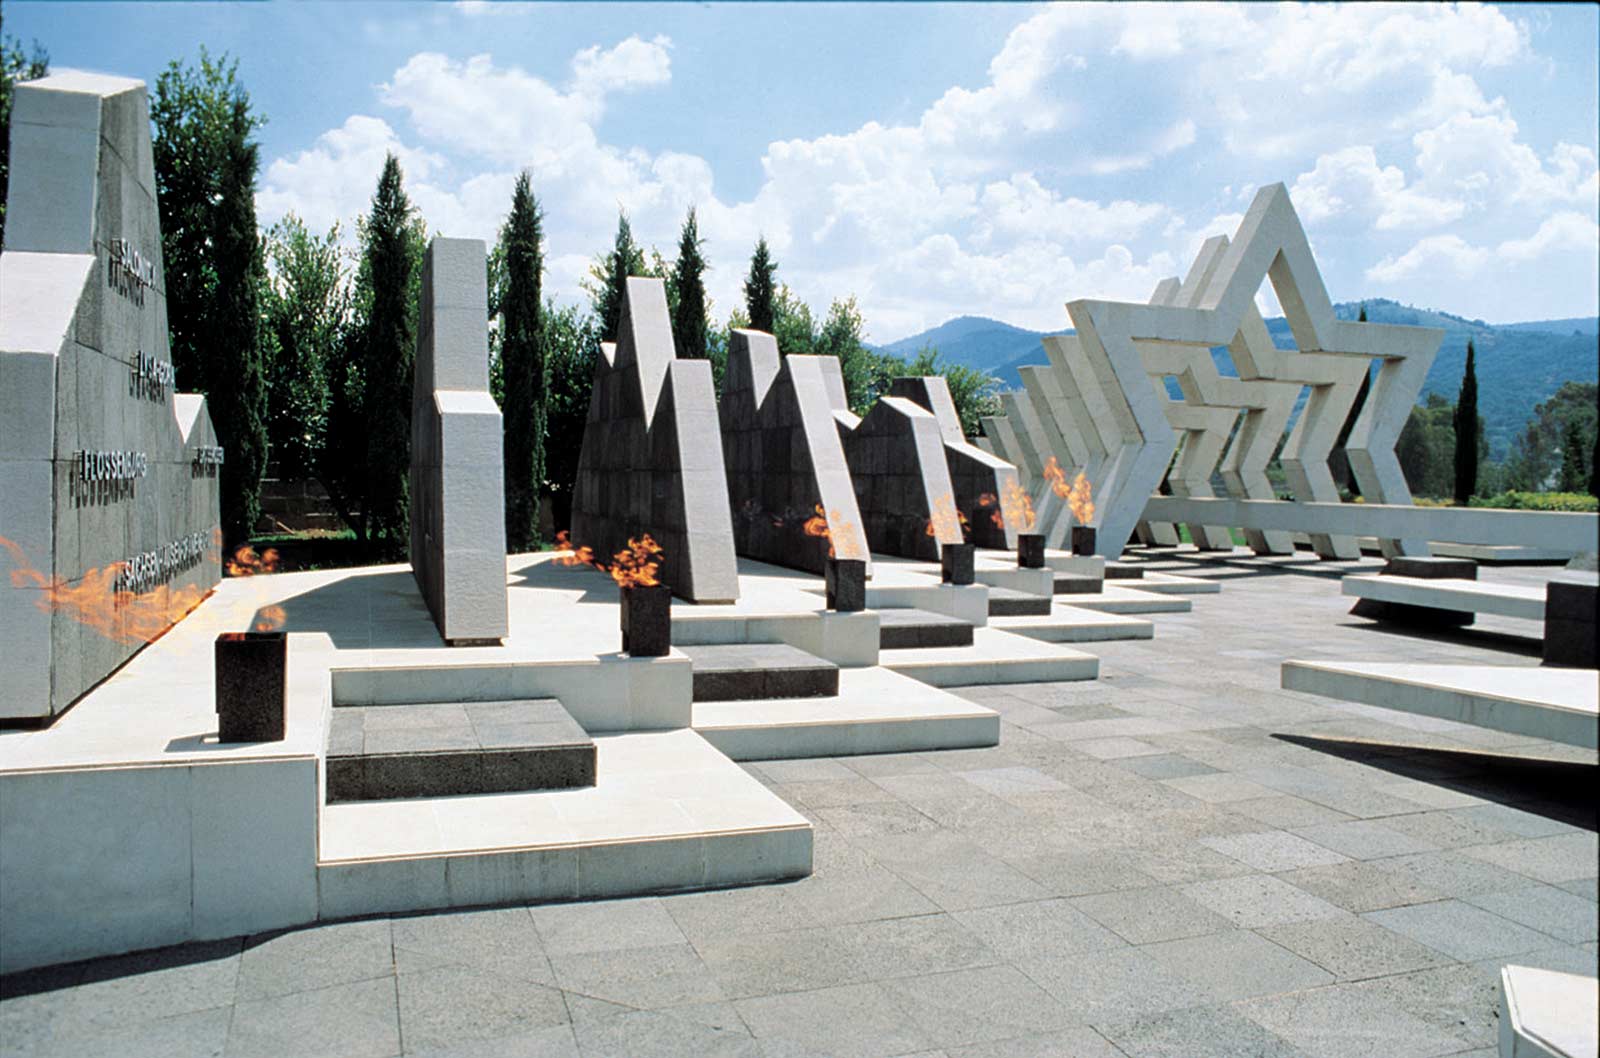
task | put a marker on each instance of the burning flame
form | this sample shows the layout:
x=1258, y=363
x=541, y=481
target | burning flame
x=1056, y=477
x=1018, y=505
x=997, y=515
x=580, y=556
x=95, y=602
x=246, y=563
x=634, y=566
x=1080, y=500
x=268, y=619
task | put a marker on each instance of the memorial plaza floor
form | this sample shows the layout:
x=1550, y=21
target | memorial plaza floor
x=1177, y=859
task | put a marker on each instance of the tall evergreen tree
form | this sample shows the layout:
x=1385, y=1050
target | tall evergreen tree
x=15, y=65
x=1469, y=429
x=205, y=163
x=522, y=360
x=306, y=307
x=392, y=243
x=689, y=311
x=1574, y=471
x=236, y=391
x=760, y=288
x=610, y=274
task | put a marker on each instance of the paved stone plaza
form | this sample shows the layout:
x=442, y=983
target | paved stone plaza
x=1177, y=859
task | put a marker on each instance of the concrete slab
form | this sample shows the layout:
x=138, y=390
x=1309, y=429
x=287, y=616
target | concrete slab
x=1471, y=596
x=1115, y=598
x=1075, y=624
x=993, y=657
x=875, y=711
x=1561, y=705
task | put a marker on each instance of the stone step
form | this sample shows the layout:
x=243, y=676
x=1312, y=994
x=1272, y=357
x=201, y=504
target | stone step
x=1077, y=584
x=993, y=657
x=1174, y=584
x=384, y=752
x=911, y=628
x=726, y=672
x=1120, y=598
x=1005, y=602
x=1124, y=571
x=875, y=711
x=1076, y=624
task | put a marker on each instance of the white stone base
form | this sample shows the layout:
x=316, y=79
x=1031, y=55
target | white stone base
x=1075, y=624
x=993, y=657
x=1450, y=593
x=1114, y=598
x=1546, y=1014
x=1561, y=705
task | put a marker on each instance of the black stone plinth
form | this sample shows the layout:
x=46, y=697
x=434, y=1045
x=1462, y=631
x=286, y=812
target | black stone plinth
x=846, y=580
x=1030, y=551
x=1083, y=540
x=1429, y=567
x=647, y=620
x=251, y=686
x=1569, y=624
x=957, y=563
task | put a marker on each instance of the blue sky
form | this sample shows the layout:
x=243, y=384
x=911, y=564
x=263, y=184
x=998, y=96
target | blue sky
x=935, y=160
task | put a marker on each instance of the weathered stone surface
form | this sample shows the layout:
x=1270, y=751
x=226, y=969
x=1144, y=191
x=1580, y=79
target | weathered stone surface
x=646, y=620
x=82, y=310
x=652, y=457
x=251, y=680
x=786, y=465
x=958, y=563
x=983, y=483
x=1030, y=551
x=845, y=584
x=1570, y=624
x=458, y=533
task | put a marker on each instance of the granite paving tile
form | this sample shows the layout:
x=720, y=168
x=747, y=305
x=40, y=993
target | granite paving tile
x=1255, y=900
x=1565, y=916
x=502, y=940
x=1237, y=964
x=605, y=925
x=456, y=1004
x=1358, y=886
x=1141, y=916
x=850, y=1021
x=1364, y=839
x=1561, y=858
x=1352, y=948
x=968, y=1006
x=1340, y=1022
x=1036, y=930
x=1460, y=930
x=1194, y=1032
x=645, y=978
x=357, y=1020
x=278, y=964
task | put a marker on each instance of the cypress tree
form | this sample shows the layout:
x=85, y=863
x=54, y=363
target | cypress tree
x=1574, y=475
x=689, y=312
x=392, y=260
x=236, y=390
x=610, y=276
x=759, y=288
x=1468, y=430
x=522, y=359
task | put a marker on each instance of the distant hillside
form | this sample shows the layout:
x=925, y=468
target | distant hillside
x=1519, y=364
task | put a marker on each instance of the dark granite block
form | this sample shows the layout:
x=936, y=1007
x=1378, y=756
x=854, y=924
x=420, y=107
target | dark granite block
x=1569, y=624
x=1030, y=550
x=957, y=563
x=1430, y=567
x=846, y=582
x=1415, y=616
x=1077, y=584
x=251, y=686
x=647, y=620
x=1007, y=602
x=553, y=768
x=801, y=683
x=1124, y=571
x=347, y=778
x=1083, y=540
x=900, y=629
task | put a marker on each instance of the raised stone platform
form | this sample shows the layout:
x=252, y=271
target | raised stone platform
x=875, y=711
x=440, y=750
x=993, y=657
x=1468, y=596
x=1116, y=598
x=1077, y=584
x=1562, y=705
x=1008, y=602
x=730, y=671
x=1075, y=624
x=911, y=628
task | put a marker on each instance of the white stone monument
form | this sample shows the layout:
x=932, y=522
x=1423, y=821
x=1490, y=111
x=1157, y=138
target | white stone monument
x=108, y=478
x=458, y=531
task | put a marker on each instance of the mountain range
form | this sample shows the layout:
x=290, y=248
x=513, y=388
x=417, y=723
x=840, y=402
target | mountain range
x=1518, y=364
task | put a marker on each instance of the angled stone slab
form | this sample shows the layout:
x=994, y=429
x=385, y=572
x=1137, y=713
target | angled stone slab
x=974, y=473
x=1028, y=431
x=1556, y=704
x=902, y=480
x=785, y=461
x=458, y=533
x=652, y=460
x=108, y=478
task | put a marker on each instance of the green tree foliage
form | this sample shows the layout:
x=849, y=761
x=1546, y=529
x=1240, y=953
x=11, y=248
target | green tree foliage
x=205, y=164
x=572, y=344
x=306, y=305
x=973, y=392
x=791, y=323
x=516, y=300
x=1468, y=430
x=609, y=274
x=1574, y=458
x=689, y=327
x=15, y=65
x=1535, y=460
x=1426, y=447
x=759, y=291
x=366, y=461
